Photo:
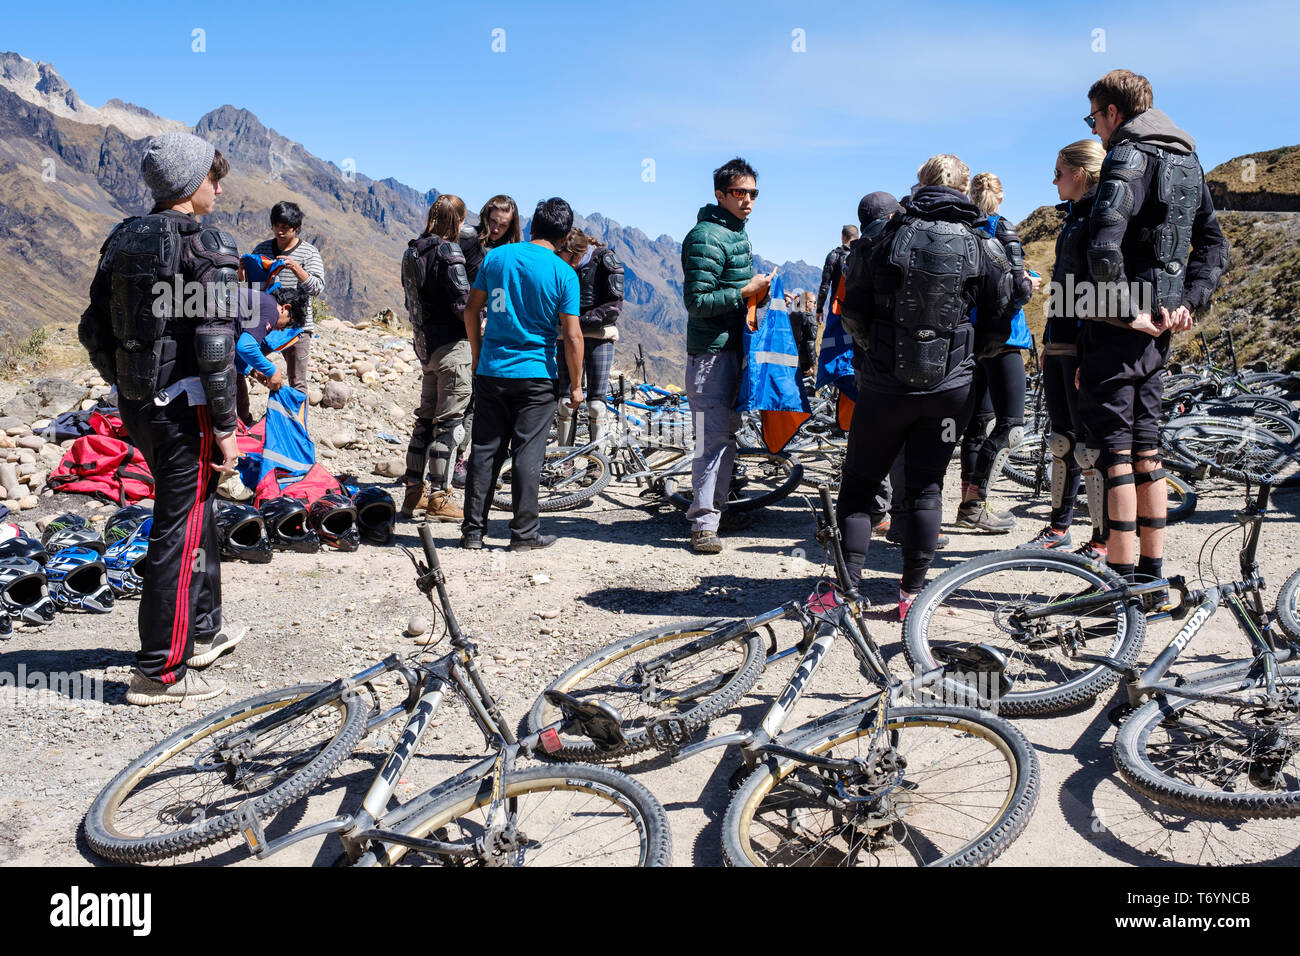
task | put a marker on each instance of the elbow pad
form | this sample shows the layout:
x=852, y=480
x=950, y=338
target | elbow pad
x=215, y=352
x=1106, y=263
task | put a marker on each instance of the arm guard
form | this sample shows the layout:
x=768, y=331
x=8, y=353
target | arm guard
x=1010, y=240
x=455, y=280
x=214, y=263
x=828, y=272
x=1209, y=259
x=214, y=348
x=1119, y=196
x=996, y=304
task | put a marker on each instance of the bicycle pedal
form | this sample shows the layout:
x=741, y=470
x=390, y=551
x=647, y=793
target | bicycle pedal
x=1120, y=713
x=251, y=828
x=668, y=733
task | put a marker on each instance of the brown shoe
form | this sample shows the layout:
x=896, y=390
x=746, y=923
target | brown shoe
x=415, y=500
x=442, y=507
x=706, y=542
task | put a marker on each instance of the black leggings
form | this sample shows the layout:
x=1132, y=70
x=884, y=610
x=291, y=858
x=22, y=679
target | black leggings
x=999, y=389
x=1062, y=400
x=924, y=426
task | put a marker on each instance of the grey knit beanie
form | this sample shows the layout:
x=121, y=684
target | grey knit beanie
x=175, y=165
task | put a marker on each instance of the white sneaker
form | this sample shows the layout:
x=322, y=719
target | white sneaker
x=205, y=652
x=144, y=691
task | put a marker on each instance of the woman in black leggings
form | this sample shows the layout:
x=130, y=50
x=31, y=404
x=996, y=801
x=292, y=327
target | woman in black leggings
x=999, y=382
x=1078, y=168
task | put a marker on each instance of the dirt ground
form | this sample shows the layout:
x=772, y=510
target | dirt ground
x=622, y=564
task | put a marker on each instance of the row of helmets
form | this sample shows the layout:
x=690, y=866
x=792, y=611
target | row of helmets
x=73, y=567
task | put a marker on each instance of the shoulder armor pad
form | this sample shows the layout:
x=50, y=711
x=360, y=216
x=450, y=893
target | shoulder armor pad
x=610, y=261
x=1126, y=161
x=996, y=252
x=449, y=251
x=218, y=240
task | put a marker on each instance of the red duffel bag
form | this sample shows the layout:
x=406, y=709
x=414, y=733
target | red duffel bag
x=105, y=467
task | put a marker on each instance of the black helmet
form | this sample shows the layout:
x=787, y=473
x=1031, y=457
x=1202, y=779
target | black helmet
x=24, y=547
x=71, y=531
x=123, y=522
x=242, y=533
x=288, y=525
x=335, y=520
x=6, y=625
x=23, y=591
x=78, y=579
x=376, y=512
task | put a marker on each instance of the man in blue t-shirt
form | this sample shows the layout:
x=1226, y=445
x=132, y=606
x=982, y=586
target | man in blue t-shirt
x=530, y=294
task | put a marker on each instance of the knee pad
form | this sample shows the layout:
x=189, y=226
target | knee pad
x=1155, y=474
x=1088, y=459
x=1061, y=444
x=1117, y=460
x=1015, y=436
x=929, y=500
x=1087, y=456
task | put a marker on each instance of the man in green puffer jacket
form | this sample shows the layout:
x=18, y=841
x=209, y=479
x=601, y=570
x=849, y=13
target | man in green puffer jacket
x=718, y=269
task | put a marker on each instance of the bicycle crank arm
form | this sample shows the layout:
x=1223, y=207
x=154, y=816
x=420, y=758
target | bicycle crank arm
x=255, y=835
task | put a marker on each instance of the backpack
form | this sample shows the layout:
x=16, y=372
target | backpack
x=105, y=467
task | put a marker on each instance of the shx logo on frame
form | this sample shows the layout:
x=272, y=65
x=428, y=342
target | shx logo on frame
x=77, y=909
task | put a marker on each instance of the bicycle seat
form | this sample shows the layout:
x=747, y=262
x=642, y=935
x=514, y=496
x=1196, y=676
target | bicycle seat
x=974, y=659
x=596, y=720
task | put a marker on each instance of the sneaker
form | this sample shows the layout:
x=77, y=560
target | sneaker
x=533, y=544
x=471, y=542
x=1047, y=539
x=224, y=641
x=880, y=528
x=144, y=691
x=706, y=542
x=978, y=515
x=904, y=604
x=735, y=520
x=895, y=536
x=415, y=499
x=459, y=473
x=442, y=507
x=1092, y=550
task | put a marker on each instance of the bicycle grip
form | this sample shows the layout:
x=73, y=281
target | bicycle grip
x=426, y=539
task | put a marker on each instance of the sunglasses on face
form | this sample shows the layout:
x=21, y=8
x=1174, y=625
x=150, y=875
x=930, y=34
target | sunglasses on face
x=1091, y=118
x=742, y=193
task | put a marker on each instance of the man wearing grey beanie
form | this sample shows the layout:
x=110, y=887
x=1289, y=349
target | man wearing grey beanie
x=161, y=327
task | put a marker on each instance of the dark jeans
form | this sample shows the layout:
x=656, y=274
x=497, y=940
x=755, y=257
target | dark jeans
x=512, y=418
x=1062, y=400
x=999, y=389
x=924, y=427
x=181, y=599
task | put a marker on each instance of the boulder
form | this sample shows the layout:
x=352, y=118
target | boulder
x=31, y=441
x=368, y=378
x=390, y=467
x=9, y=480
x=46, y=398
x=314, y=395
x=335, y=395
x=28, y=502
x=51, y=453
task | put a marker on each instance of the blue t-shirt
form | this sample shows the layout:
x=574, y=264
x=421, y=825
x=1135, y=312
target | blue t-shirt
x=528, y=287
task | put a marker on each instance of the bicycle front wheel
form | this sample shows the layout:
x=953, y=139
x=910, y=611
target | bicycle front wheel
x=979, y=602
x=656, y=673
x=1288, y=606
x=182, y=795
x=1235, y=755
x=562, y=484
x=562, y=816
x=759, y=478
x=968, y=785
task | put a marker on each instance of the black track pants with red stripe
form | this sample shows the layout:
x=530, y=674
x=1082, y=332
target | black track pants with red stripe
x=181, y=599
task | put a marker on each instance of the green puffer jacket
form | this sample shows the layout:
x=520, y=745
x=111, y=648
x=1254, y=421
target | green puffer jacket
x=716, y=262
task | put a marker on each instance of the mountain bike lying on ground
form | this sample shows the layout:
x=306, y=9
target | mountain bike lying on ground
x=876, y=782
x=225, y=774
x=655, y=454
x=1223, y=742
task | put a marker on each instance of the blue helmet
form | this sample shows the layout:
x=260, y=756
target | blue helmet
x=124, y=561
x=123, y=522
x=78, y=580
x=71, y=531
x=24, y=547
x=23, y=591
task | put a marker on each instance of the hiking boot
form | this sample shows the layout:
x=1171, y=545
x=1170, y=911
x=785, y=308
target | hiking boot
x=706, y=542
x=414, y=500
x=144, y=691
x=459, y=473
x=735, y=520
x=895, y=536
x=533, y=544
x=1047, y=539
x=472, y=541
x=978, y=515
x=442, y=507
x=224, y=641
x=1092, y=550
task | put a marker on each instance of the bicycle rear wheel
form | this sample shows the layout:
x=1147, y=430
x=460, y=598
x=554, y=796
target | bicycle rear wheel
x=644, y=678
x=1288, y=606
x=181, y=795
x=561, y=486
x=976, y=602
x=1243, y=455
x=759, y=478
x=575, y=815
x=1236, y=756
x=968, y=785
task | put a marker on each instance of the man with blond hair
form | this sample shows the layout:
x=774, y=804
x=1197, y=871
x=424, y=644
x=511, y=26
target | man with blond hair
x=1157, y=254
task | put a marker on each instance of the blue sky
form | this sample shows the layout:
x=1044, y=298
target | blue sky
x=584, y=93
